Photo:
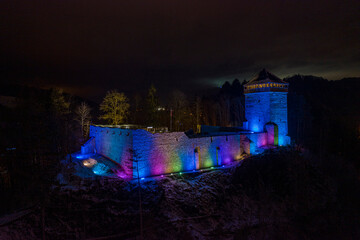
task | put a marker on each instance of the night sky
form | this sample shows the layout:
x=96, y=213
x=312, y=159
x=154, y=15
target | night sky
x=88, y=47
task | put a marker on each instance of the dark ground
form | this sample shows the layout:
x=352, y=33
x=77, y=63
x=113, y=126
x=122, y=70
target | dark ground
x=281, y=194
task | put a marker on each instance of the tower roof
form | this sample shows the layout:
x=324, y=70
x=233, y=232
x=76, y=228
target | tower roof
x=265, y=76
x=265, y=81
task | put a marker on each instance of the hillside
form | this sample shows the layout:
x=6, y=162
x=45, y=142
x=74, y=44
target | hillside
x=283, y=194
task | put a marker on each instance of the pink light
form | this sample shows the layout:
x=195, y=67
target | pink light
x=123, y=175
x=227, y=160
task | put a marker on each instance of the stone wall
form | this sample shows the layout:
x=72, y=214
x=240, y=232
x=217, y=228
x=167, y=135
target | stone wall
x=89, y=146
x=257, y=110
x=115, y=144
x=161, y=153
x=265, y=107
x=257, y=140
x=278, y=114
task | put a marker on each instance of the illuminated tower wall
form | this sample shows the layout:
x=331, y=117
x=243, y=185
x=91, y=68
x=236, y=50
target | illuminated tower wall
x=266, y=107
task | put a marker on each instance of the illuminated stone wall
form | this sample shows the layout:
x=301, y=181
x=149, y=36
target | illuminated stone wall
x=257, y=110
x=161, y=153
x=278, y=115
x=265, y=107
x=115, y=144
x=88, y=147
x=257, y=140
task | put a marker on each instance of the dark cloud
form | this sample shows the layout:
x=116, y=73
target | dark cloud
x=91, y=46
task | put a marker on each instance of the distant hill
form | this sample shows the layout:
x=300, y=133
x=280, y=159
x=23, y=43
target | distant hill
x=23, y=91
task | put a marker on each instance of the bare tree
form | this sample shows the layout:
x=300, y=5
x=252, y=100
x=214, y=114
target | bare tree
x=83, y=117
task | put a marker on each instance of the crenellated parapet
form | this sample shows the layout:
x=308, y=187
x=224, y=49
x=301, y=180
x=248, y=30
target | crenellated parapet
x=266, y=87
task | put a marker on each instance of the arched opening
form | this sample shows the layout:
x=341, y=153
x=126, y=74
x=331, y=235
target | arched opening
x=197, y=158
x=272, y=130
x=217, y=156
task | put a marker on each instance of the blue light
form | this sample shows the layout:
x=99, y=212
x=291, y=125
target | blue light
x=255, y=128
x=83, y=156
x=100, y=169
x=142, y=178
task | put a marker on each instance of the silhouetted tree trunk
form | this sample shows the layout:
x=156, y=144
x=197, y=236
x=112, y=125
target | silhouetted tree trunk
x=83, y=117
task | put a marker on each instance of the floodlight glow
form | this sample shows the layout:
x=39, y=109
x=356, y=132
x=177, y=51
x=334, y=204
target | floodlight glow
x=89, y=162
x=100, y=169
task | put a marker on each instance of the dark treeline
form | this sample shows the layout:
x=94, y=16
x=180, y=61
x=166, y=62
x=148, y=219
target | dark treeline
x=324, y=116
x=36, y=132
x=41, y=123
x=181, y=112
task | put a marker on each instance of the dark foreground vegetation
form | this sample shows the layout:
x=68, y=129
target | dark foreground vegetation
x=283, y=194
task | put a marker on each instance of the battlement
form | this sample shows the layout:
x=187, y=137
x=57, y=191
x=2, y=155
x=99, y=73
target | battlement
x=266, y=87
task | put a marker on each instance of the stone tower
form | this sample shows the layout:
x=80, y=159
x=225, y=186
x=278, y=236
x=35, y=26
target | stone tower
x=266, y=107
